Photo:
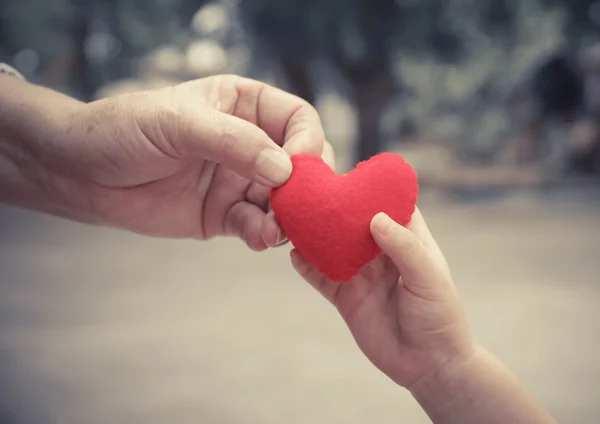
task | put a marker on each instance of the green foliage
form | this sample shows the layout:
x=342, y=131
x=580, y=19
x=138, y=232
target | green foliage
x=58, y=30
x=473, y=34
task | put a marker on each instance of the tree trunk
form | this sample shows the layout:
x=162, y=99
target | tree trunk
x=296, y=72
x=81, y=72
x=372, y=90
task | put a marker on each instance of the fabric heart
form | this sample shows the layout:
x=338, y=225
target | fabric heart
x=327, y=217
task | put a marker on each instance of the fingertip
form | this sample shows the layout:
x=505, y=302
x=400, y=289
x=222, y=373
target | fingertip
x=273, y=167
x=258, y=246
x=271, y=232
x=382, y=224
x=254, y=241
x=393, y=239
x=245, y=221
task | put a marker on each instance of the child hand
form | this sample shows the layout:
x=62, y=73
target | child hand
x=403, y=309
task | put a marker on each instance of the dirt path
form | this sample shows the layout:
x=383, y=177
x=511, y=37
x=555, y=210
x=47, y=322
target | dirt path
x=99, y=326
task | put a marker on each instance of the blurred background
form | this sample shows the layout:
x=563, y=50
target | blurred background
x=496, y=103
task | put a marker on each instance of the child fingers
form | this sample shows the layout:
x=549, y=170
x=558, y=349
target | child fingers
x=324, y=286
x=420, y=273
x=419, y=227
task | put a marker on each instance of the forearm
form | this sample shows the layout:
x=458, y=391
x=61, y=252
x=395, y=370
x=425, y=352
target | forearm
x=32, y=121
x=478, y=390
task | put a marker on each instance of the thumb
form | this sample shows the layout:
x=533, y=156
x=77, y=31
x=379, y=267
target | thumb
x=420, y=273
x=237, y=144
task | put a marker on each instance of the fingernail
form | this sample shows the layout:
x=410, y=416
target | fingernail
x=274, y=166
x=281, y=238
x=383, y=224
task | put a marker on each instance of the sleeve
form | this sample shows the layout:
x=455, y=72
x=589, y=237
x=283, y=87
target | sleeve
x=9, y=70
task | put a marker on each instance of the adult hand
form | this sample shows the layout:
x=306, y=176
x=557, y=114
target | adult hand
x=194, y=160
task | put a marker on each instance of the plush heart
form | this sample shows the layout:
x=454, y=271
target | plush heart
x=327, y=217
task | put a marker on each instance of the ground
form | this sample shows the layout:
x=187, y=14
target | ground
x=101, y=326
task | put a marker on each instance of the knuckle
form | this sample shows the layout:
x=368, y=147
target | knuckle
x=408, y=243
x=306, y=113
x=227, y=140
x=310, y=109
x=168, y=117
x=172, y=132
x=320, y=283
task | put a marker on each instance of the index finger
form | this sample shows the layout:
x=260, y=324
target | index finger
x=419, y=228
x=290, y=121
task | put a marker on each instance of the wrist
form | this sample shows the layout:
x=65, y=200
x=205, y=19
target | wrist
x=33, y=125
x=20, y=177
x=440, y=388
x=477, y=388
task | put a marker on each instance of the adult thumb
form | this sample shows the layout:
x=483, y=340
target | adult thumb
x=237, y=144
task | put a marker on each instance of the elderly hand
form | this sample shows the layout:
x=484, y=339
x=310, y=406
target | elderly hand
x=194, y=160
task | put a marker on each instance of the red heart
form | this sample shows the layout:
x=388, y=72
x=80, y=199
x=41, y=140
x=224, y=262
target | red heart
x=327, y=217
